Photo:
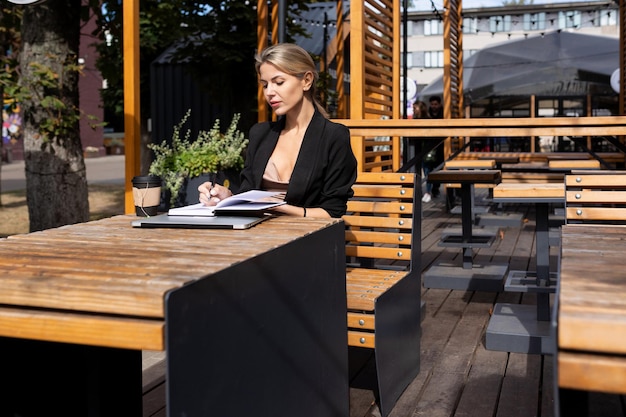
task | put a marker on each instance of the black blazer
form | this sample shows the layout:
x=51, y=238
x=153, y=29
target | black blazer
x=325, y=169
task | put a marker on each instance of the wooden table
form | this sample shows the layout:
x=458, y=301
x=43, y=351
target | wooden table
x=591, y=319
x=471, y=276
x=253, y=321
x=526, y=328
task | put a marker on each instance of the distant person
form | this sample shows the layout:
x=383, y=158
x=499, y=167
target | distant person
x=435, y=157
x=436, y=109
x=303, y=153
x=420, y=111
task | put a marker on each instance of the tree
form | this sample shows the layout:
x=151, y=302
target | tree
x=56, y=181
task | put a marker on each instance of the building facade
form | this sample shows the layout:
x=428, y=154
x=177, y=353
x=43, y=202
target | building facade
x=486, y=27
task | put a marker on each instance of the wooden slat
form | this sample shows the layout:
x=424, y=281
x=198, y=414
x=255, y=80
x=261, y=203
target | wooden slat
x=64, y=327
x=378, y=237
x=512, y=190
x=361, y=321
x=489, y=127
x=396, y=254
x=382, y=222
x=596, y=180
x=592, y=372
x=532, y=177
x=381, y=207
x=474, y=176
x=574, y=164
x=361, y=339
x=591, y=196
x=386, y=178
x=470, y=164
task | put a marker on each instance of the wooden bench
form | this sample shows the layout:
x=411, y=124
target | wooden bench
x=383, y=279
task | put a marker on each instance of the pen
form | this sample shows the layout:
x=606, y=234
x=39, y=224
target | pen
x=212, y=178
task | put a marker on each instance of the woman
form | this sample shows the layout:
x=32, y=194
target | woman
x=303, y=153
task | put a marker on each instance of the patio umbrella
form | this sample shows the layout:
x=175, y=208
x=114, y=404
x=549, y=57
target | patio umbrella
x=555, y=64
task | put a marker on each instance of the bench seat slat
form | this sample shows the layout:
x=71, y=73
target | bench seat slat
x=364, y=286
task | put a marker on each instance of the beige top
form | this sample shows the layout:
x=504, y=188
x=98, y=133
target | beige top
x=271, y=179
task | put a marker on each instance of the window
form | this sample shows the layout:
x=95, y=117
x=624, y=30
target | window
x=417, y=59
x=470, y=25
x=409, y=60
x=433, y=27
x=500, y=23
x=535, y=21
x=469, y=52
x=569, y=19
x=433, y=59
x=608, y=17
x=410, y=28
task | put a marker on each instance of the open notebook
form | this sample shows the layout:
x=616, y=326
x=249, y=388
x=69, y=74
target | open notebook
x=249, y=203
x=198, y=222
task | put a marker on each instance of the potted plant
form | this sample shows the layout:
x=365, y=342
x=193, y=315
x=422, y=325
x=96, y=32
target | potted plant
x=183, y=164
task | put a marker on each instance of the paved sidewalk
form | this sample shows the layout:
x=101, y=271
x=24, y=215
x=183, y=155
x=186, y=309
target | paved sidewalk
x=102, y=170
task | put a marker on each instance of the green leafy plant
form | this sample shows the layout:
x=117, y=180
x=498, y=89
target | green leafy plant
x=212, y=151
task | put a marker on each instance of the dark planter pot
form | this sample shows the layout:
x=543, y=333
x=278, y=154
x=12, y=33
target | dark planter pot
x=189, y=191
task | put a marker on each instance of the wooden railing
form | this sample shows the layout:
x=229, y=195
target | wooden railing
x=376, y=142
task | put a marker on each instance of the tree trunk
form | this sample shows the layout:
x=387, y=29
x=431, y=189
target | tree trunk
x=56, y=181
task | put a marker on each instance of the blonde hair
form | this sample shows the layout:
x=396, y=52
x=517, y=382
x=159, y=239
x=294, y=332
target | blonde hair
x=295, y=61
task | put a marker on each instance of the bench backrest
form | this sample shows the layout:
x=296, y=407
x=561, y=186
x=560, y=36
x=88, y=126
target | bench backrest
x=380, y=219
x=595, y=198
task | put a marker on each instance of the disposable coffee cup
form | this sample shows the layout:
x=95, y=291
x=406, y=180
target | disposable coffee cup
x=147, y=195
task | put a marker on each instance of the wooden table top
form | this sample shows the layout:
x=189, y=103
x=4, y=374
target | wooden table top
x=469, y=176
x=592, y=301
x=530, y=191
x=104, y=282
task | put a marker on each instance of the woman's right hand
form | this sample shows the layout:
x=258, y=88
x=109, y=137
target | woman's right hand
x=211, y=194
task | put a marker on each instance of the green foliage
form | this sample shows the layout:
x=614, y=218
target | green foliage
x=216, y=40
x=44, y=87
x=210, y=152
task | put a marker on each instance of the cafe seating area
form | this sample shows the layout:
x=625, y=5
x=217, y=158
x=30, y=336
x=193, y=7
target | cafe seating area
x=458, y=375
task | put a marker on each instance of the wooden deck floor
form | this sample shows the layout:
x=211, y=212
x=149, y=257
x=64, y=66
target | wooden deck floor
x=458, y=376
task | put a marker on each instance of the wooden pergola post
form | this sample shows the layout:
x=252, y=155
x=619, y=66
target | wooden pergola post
x=132, y=114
